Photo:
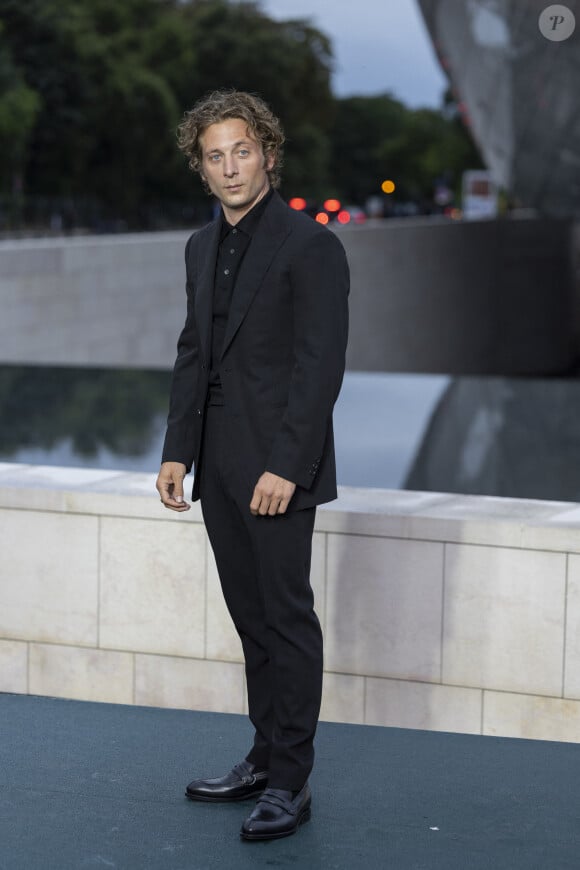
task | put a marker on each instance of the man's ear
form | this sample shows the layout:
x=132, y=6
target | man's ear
x=269, y=161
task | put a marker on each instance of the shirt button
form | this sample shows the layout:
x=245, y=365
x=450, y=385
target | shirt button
x=234, y=231
x=226, y=271
x=232, y=250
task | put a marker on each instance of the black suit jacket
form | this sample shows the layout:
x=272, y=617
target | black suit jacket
x=283, y=355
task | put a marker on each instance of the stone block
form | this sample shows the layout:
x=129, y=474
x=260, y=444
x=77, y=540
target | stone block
x=404, y=704
x=152, y=596
x=83, y=674
x=48, y=588
x=343, y=698
x=13, y=666
x=384, y=607
x=504, y=619
x=533, y=717
x=572, y=660
x=164, y=681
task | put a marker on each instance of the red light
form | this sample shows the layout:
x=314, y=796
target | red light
x=322, y=217
x=343, y=217
x=332, y=205
x=297, y=203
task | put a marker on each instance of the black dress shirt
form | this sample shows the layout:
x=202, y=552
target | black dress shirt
x=234, y=242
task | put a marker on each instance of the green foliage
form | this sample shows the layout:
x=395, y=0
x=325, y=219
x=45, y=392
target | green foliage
x=94, y=408
x=91, y=92
x=376, y=138
x=19, y=107
x=362, y=126
x=428, y=146
x=288, y=63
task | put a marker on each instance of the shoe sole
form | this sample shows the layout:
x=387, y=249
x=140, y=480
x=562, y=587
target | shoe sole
x=223, y=800
x=302, y=818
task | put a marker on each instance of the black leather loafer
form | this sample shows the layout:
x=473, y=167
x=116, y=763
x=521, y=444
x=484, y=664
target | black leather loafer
x=244, y=781
x=277, y=814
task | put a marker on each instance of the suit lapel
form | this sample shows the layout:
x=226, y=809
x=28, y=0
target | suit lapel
x=205, y=283
x=271, y=232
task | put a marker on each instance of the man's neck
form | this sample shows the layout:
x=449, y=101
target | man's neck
x=235, y=215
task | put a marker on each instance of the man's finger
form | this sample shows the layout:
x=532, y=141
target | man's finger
x=175, y=505
x=274, y=506
x=177, y=493
x=171, y=492
x=255, y=503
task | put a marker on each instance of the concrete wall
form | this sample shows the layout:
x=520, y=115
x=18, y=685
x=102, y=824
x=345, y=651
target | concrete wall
x=442, y=612
x=102, y=301
x=427, y=296
x=481, y=297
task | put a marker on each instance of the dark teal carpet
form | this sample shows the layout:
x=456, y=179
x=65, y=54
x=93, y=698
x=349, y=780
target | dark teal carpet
x=101, y=786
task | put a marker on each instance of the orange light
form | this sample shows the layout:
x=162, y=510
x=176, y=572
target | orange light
x=322, y=217
x=297, y=203
x=388, y=186
x=343, y=217
x=332, y=204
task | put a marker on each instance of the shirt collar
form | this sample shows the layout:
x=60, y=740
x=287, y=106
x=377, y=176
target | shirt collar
x=249, y=222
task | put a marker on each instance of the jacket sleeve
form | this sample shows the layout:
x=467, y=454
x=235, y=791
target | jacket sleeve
x=179, y=437
x=320, y=286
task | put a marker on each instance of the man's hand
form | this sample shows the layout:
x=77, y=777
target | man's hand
x=272, y=495
x=170, y=486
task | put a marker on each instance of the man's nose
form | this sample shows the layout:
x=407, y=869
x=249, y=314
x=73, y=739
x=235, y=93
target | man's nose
x=230, y=167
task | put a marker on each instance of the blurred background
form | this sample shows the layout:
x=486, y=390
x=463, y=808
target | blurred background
x=92, y=91
x=440, y=139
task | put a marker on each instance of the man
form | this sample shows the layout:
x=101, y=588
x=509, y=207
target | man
x=259, y=366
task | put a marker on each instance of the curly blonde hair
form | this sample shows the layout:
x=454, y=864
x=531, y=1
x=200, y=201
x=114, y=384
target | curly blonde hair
x=222, y=105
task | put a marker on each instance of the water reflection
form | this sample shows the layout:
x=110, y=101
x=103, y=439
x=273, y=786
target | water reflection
x=68, y=416
x=379, y=423
x=486, y=436
x=503, y=436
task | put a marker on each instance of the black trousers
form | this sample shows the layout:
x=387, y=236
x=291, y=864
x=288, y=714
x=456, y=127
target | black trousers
x=264, y=569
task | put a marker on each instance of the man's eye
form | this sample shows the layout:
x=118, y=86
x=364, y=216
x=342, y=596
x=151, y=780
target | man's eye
x=243, y=152
x=214, y=158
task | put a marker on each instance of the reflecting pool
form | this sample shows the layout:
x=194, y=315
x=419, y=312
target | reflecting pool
x=489, y=436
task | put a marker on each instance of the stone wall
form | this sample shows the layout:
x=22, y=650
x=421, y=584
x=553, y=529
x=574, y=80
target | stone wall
x=441, y=612
x=428, y=295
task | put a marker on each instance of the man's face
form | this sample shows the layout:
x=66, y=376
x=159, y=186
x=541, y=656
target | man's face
x=234, y=166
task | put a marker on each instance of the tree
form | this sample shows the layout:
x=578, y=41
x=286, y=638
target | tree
x=428, y=147
x=375, y=138
x=288, y=63
x=91, y=93
x=361, y=127
x=19, y=107
x=113, y=77
x=104, y=118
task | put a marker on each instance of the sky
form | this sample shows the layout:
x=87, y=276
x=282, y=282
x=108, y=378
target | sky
x=379, y=46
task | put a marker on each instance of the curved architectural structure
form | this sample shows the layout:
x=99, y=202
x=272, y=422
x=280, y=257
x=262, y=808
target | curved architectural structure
x=518, y=92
